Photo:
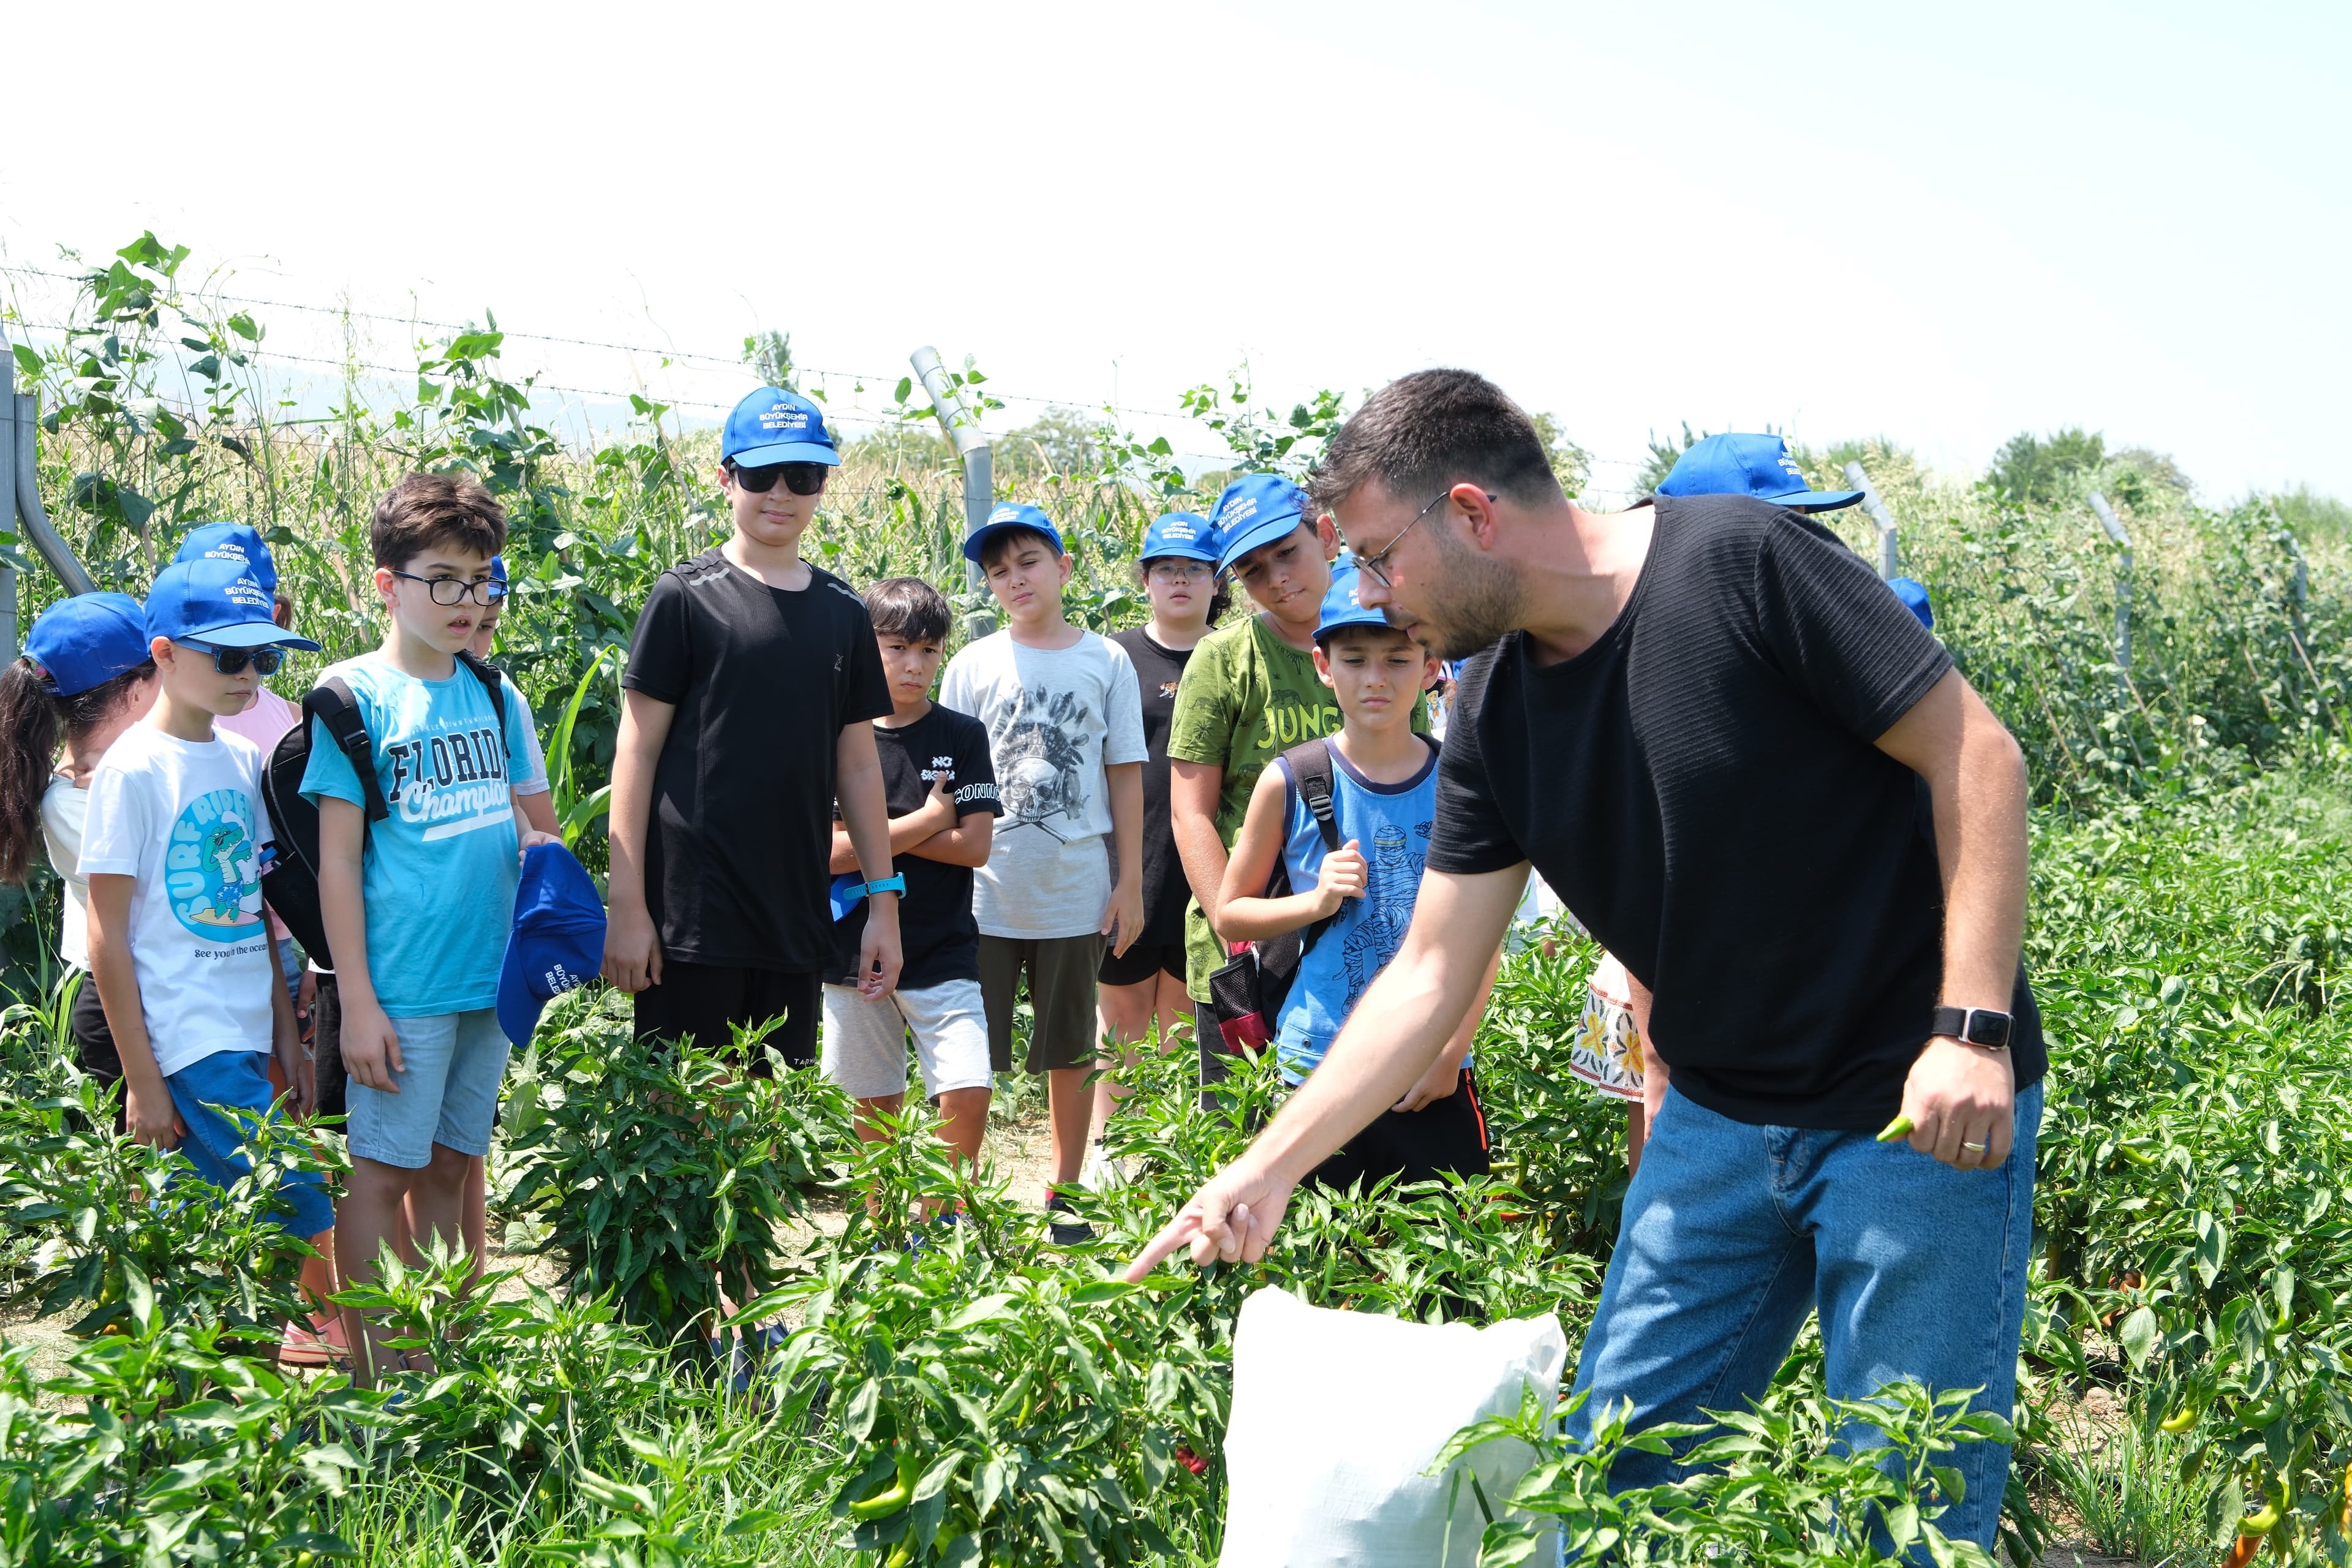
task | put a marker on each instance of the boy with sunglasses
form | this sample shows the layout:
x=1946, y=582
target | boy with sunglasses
x=418, y=905
x=752, y=682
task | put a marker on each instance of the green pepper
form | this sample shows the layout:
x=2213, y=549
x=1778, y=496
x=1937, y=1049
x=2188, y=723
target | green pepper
x=881, y=1504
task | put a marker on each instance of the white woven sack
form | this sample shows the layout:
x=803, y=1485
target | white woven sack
x=1337, y=1416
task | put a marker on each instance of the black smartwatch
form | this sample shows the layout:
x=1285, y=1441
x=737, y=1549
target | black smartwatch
x=1977, y=1026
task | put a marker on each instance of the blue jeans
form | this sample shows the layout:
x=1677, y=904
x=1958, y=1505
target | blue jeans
x=216, y=1145
x=1734, y=1232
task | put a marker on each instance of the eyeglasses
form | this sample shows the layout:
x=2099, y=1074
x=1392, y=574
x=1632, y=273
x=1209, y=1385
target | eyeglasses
x=1177, y=568
x=801, y=478
x=1372, y=563
x=233, y=661
x=445, y=591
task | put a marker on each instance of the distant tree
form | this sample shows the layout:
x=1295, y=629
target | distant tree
x=2044, y=469
x=1058, y=441
x=1663, y=455
x=1572, y=465
x=2145, y=481
x=2309, y=514
x=770, y=355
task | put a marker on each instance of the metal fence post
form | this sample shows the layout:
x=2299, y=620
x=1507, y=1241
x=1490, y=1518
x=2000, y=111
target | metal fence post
x=2122, y=586
x=24, y=477
x=962, y=428
x=1889, y=565
x=8, y=512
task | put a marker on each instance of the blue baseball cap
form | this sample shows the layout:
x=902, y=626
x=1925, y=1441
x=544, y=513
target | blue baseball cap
x=1914, y=594
x=1255, y=509
x=88, y=640
x=231, y=542
x=772, y=426
x=1012, y=514
x=557, y=942
x=498, y=568
x=1340, y=606
x=219, y=601
x=1185, y=534
x=1756, y=465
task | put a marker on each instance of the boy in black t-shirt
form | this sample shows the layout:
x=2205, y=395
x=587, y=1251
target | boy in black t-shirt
x=751, y=681
x=941, y=794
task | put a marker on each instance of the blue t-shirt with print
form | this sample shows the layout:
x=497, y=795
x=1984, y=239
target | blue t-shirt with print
x=1391, y=824
x=438, y=874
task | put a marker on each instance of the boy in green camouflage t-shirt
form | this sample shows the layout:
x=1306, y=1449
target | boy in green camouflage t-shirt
x=1249, y=693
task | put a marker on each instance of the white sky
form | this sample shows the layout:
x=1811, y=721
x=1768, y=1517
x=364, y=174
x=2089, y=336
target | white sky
x=1945, y=223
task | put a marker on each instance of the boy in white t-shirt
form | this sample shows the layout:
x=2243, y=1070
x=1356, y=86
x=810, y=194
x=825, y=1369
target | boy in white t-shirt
x=171, y=847
x=1065, y=727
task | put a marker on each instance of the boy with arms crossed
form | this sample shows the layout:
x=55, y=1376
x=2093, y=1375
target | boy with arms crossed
x=417, y=906
x=943, y=802
x=1383, y=796
x=752, y=680
x=1066, y=731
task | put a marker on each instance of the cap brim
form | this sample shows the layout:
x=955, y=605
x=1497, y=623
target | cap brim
x=517, y=1008
x=252, y=633
x=789, y=452
x=977, y=540
x=1328, y=628
x=1818, y=501
x=1180, y=552
x=1264, y=531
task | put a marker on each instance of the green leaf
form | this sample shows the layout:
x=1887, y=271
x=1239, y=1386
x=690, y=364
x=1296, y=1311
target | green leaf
x=27, y=359
x=244, y=327
x=1094, y=1290
x=977, y=1312
x=2137, y=1336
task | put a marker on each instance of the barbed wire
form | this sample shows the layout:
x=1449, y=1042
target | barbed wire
x=734, y=363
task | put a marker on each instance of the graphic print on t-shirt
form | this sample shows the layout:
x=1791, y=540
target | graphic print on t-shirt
x=457, y=782
x=1392, y=881
x=1040, y=761
x=212, y=867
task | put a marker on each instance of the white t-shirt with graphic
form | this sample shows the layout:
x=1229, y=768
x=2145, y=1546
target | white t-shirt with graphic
x=185, y=820
x=1057, y=718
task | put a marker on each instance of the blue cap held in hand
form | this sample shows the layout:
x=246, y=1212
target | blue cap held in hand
x=1914, y=594
x=1253, y=511
x=557, y=942
x=1012, y=514
x=1759, y=466
x=1186, y=535
x=231, y=542
x=219, y=601
x=1340, y=606
x=772, y=426
x=88, y=640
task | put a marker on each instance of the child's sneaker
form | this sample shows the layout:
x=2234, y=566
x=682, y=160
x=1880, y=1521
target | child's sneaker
x=1103, y=1172
x=1067, y=1232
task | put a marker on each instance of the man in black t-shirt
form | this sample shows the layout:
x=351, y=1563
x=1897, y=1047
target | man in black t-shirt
x=1762, y=785
x=941, y=790
x=751, y=681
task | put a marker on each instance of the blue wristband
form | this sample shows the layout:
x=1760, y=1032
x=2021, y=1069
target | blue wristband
x=896, y=884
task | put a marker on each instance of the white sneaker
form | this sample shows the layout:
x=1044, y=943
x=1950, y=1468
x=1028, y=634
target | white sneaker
x=1102, y=1170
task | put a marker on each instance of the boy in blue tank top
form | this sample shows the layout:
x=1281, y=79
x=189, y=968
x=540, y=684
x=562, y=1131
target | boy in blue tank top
x=1353, y=903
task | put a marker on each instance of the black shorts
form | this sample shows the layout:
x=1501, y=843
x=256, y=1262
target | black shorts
x=94, y=1045
x=1141, y=963
x=705, y=1002
x=1445, y=1137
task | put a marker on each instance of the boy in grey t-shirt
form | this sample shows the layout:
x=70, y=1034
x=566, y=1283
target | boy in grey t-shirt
x=1066, y=732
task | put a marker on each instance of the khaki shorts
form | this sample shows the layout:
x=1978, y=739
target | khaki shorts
x=1061, y=972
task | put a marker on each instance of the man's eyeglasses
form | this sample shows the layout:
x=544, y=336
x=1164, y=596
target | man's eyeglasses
x=801, y=478
x=1372, y=563
x=1178, y=569
x=233, y=661
x=445, y=591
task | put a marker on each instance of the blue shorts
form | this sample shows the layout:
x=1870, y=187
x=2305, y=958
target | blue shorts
x=216, y=1145
x=451, y=1067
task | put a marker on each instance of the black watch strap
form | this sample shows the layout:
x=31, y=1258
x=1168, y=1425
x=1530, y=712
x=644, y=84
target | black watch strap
x=1977, y=1026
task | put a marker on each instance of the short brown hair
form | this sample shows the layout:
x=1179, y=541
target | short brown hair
x=909, y=608
x=424, y=509
x=1004, y=538
x=1435, y=429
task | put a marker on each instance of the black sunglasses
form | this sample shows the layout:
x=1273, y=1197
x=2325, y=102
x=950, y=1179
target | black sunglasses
x=801, y=478
x=233, y=661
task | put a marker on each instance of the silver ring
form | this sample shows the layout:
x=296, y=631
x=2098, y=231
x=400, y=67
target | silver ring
x=1974, y=1147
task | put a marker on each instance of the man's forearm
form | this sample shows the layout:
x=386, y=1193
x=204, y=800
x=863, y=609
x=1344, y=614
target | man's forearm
x=1980, y=837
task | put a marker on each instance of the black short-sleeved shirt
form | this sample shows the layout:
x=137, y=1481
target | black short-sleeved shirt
x=741, y=833
x=1702, y=788
x=1158, y=670
x=936, y=929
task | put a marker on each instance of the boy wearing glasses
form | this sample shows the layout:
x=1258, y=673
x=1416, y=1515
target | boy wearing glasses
x=752, y=681
x=417, y=906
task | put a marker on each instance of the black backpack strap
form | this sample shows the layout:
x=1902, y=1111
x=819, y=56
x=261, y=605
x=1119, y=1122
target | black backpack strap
x=1310, y=770
x=332, y=703
x=490, y=677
